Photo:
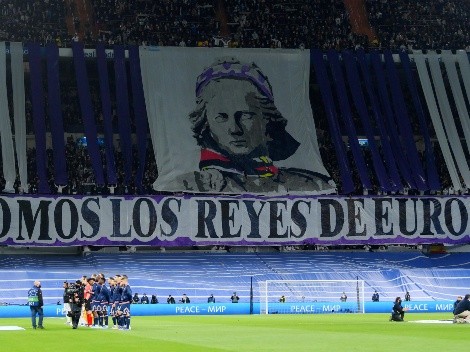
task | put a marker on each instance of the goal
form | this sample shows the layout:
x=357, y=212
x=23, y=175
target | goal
x=311, y=296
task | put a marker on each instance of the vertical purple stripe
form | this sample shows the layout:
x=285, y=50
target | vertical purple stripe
x=87, y=111
x=107, y=114
x=122, y=102
x=347, y=183
x=140, y=113
x=55, y=115
x=404, y=123
x=345, y=108
x=359, y=101
x=394, y=138
x=37, y=101
x=379, y=121
x=433, y=177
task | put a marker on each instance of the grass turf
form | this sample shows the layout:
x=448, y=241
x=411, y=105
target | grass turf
x=319, y=332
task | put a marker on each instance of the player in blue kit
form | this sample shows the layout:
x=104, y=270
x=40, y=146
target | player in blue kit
x=116, y=301
x=112, y=310
x=125, y=304
x=104, y=298
x=95, y=301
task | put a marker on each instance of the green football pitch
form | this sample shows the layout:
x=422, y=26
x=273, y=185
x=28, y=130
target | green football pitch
x=291, y=333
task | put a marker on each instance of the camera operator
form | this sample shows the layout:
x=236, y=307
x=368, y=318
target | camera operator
x=70, y=290
x=66, y=298
x=398, y=312
x=76, y=303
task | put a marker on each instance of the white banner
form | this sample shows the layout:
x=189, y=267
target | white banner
x=17, y=80
x=232, y=121
x=8, y=153
x=242, y=220
x=435, y=115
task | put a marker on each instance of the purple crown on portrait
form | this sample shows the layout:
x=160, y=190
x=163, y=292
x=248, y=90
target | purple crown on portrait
x=230, y=67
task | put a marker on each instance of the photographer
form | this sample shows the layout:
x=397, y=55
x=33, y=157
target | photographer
x=234, y=298
x=76, y=303
x=398, y=312
x=462, y=310
x=66, y=300
x=70, y=291
x=185, y=299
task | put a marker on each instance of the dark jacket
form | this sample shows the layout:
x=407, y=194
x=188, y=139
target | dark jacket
x=397, y=307
x=456, y=303
x=76, y=304
x=35, y=297
x=462, y=306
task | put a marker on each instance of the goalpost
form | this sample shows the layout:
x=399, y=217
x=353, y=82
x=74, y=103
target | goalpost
x=311, y=296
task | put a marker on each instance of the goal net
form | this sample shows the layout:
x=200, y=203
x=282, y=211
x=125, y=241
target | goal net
x=311, y=296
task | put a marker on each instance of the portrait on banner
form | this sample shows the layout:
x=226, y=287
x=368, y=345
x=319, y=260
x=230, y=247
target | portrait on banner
x=240, y=137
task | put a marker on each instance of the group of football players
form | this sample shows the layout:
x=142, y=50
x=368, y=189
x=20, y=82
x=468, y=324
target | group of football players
x=96, y=300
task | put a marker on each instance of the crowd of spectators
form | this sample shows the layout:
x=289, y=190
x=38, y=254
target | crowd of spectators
x=291, y=24
x=325, y=24
x=81, y=178
x=400, y=24
x=421, y=24
x=33, y=21
x=163, y=23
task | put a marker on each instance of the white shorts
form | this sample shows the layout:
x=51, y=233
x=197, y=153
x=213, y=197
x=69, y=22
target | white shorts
x=66, y=307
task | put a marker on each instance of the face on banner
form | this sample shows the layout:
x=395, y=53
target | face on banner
x=234, y=117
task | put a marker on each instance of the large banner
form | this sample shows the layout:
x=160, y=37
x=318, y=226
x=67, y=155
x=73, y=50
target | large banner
x=232, y=121
x=224, y=220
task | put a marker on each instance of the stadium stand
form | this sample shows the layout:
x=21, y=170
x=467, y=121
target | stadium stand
x=233, y=23
x=421, y=24
x=290, y=24
x=427, y=278
x=169, y=23
x=400, y=25
x=33, y=21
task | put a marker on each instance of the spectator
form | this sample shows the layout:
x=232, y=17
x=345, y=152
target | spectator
x=144, y=299
x=407, y=296
x=154, y=299
x=375, y=296
x=234, y=298
x=185, y=299
x=136, y=299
